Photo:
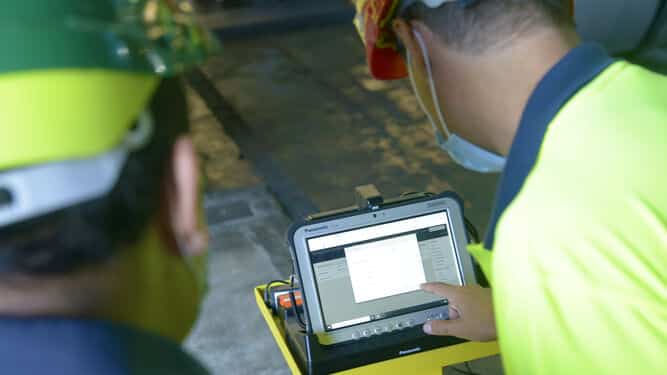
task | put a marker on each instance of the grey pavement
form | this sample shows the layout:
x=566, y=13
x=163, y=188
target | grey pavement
x=308, y=97
x=220, y=156
x=247, y=238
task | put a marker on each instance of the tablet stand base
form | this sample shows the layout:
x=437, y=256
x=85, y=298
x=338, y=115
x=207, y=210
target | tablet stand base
x=313, y=358
x=304, y=356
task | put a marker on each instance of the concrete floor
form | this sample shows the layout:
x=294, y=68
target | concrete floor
x=231, y=336
x=309, y=97
x=330, y=128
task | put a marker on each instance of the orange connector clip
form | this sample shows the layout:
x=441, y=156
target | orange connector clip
x=286, y=302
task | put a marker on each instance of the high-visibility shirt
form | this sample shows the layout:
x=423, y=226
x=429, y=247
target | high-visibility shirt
x=577, y=248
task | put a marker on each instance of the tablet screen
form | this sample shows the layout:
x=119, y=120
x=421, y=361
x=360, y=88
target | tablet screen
x=375, y=273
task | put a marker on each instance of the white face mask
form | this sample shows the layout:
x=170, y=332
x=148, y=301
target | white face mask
x=464, y=153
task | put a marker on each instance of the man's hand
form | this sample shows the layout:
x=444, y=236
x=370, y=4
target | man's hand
x=470, y=312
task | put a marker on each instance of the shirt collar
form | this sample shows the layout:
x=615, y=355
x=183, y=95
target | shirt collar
x=574, y=71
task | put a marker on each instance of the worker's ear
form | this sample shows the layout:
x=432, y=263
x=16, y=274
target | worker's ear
x=183, y=199
x=406, y=34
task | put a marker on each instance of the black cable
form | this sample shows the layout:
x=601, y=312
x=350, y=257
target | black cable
x=299, y=320
x=464, y=372
x=473, y=237
x=292, y=297
x=472, y=231
x=267, y=289
x=459, y=371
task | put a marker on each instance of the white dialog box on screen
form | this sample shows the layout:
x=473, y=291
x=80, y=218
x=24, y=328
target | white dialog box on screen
x=385, y=268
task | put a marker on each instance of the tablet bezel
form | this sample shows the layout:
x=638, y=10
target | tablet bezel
x=301, y=233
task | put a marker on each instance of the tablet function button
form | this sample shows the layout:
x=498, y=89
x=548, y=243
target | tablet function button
x=367, y=333
x=378, y=330
x=355, y=336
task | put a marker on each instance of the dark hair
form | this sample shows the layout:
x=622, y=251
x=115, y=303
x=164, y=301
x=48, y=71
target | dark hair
x=90, y=233
x=489, y=23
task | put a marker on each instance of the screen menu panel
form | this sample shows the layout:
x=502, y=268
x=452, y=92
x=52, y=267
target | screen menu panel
x=374, y=273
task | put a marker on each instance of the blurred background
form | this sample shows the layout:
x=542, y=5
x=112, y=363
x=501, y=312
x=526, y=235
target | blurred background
x=291, y=85
x=287, y=122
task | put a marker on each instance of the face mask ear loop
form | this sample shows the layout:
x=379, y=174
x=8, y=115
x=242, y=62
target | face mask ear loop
x=431, y=83
x=418, y=94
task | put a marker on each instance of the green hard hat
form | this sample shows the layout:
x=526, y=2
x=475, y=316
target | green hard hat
x=154, y=36
x=76, y=77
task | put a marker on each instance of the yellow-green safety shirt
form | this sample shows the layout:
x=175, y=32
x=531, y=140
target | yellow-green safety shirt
x=577, y=248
